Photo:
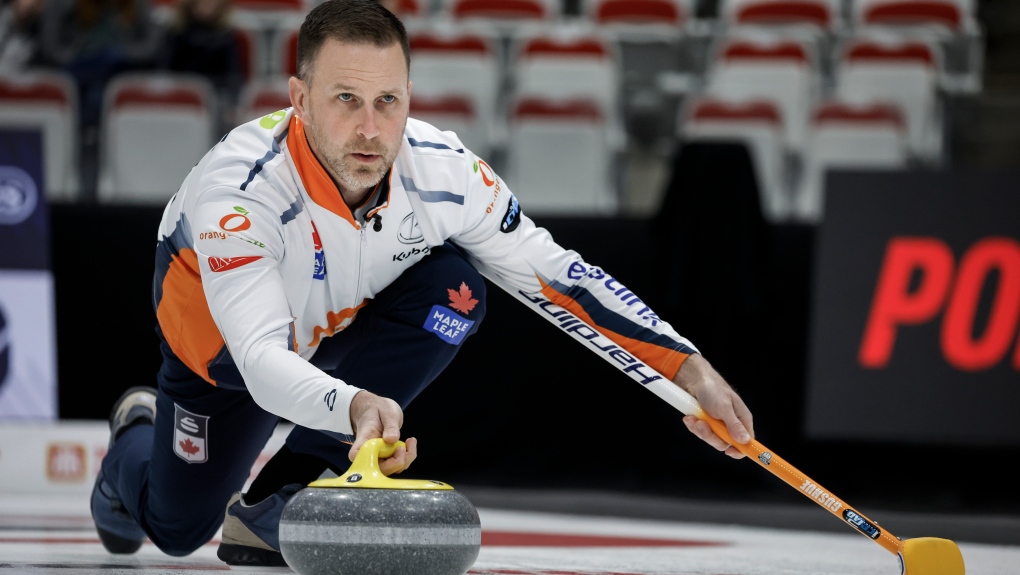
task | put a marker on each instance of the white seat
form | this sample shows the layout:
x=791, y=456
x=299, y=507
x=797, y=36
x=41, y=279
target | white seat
x=456, y=114
x=901, y=71
x=758, y=124
x=570, y=62
x=770, y=67
x=47, y=101
x=455, y=61
x=262, y=97
x=951, y=25
x=155, y=128
x=844, y=135
x=558, y=162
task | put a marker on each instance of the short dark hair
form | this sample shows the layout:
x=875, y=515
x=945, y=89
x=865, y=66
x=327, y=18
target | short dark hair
x=348, y=21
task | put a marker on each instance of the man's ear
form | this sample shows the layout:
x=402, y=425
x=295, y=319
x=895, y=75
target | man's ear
x=298, y=95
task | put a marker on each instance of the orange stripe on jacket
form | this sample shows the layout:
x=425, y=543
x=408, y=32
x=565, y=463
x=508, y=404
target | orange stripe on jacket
x=317, y=182
x=666, y=361
x=335, y=322
x=184, y=316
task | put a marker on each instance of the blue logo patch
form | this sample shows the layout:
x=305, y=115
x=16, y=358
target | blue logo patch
x=447, y=325
x=510, y=219
x=861, y=524
x=320, y=265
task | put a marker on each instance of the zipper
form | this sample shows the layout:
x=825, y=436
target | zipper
x=361, y=266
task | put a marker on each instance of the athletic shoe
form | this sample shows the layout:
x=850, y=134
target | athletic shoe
x=118, y=531
x=251, y=533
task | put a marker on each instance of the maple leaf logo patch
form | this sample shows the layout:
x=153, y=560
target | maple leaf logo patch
x=188, y=447
x=462, y=300
x=191, y=435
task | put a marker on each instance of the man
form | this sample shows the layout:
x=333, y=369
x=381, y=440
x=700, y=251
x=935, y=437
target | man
x=319, y=265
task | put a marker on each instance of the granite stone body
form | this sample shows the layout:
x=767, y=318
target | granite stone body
x=338, y=531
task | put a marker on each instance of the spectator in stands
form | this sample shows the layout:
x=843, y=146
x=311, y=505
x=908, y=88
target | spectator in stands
x=19, y=34
x=94, y=40
x=202, y=41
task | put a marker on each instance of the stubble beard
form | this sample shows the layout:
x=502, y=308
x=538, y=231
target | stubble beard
x=350, y=173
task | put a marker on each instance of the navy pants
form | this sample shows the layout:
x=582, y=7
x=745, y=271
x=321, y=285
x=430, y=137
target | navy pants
x=390, y=349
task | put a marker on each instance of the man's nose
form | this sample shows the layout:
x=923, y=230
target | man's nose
x=367, y=126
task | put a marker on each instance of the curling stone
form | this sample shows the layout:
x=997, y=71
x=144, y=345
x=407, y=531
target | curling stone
x=364, y=523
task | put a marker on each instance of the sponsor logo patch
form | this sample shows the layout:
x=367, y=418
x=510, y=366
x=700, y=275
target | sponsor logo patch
x=765, y=457
x=238, y=222
x=409, y=232
x=319, y=272
x=510, y=218
x=18, y=195
x=224, y=264
x=461, y=300
x=65, y=462
x=191, y=435
x=447, y=325
x=330, y=399
x=861, y=524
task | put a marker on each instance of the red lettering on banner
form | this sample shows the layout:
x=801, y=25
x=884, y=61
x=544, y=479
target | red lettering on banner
x=960, y=349
x=894, y=305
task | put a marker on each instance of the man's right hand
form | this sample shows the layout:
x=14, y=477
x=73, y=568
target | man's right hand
x=374, y=416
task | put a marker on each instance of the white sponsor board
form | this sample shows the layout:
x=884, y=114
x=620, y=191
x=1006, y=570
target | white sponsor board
x=54, y=458
x=28, y=382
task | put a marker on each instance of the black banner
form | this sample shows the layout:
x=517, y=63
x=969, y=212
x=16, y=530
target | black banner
x=916, y=309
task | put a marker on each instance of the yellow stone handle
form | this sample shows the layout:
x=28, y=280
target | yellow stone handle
x=365, y=473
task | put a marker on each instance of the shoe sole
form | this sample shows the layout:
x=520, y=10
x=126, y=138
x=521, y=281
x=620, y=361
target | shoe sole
x=117, y=428
x=250, y=556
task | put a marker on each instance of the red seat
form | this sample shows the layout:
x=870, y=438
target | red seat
x=670, y=12
x=817, y=13
x=947, y=14
x=501, y=9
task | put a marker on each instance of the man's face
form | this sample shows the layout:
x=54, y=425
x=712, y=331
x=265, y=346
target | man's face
x=354, y=106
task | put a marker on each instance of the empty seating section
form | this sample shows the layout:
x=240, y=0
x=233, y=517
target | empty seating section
x=156, y=127
x=460, y=63
x=47, y=102
x=904, y=73
x=758, y=124
x=558, y=160
x=848, y=136
x=768, y=67
x=557, y=94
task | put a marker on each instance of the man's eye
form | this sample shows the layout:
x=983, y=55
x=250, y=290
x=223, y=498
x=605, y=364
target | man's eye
x=346, y=97
x=389, y=99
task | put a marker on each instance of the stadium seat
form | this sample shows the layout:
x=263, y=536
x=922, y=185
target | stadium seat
x=47, y=101
x=951, y=16
x=845, y=135
x=262, y=97
x=558, y=162
x=951, y=24
x=772, y=67
x=757, y=124
x=282, y=42
x=506, y=11
x=900, y=71
x=639, y=13
x=457, y=114
x=462, y=62
x=655, y=40
x=568, y=62
x=155, y=128
x=822, y=15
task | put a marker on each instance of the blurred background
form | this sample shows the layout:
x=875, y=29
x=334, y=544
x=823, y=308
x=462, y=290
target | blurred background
x=821, y=194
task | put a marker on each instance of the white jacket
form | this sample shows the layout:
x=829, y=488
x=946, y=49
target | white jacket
x=259, y=256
